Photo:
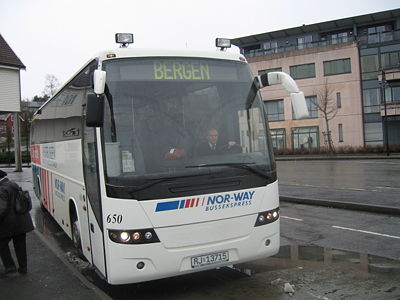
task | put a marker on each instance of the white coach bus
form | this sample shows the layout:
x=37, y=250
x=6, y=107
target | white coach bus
x=118, y=161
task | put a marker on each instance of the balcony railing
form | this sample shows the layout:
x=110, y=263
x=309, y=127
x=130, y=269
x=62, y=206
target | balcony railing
x=261, y=52
x=363, y=39
x=380, y=37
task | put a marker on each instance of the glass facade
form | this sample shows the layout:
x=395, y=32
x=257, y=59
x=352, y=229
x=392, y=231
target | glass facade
x=390, y=59
x=369, y=67
x=371, y=100
x=305, y=137
x=278, y=137
x=392, y=94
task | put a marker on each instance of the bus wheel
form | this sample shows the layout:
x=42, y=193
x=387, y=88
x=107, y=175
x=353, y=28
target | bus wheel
x=76, y=236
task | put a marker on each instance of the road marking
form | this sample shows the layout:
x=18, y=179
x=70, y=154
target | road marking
x=368, y=232
x=328, y=187
x=294, y=219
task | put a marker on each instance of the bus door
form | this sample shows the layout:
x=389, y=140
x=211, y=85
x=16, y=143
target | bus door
x=93, y=195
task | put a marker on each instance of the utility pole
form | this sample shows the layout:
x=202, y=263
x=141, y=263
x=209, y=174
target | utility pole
x=17, y=143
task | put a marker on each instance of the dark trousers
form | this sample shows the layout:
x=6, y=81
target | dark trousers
x=19, y=242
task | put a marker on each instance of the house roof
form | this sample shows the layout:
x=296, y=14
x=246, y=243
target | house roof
x=7, y=55
x=323, y=26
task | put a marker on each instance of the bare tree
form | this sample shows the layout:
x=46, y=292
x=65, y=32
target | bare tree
x=328, y=108
x=51, y=85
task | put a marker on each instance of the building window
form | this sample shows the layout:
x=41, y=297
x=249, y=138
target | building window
x=338, y=100
x=371, y=100
x=302, y=71
x=392, y=94
x=270, y=47
x=278, y=137
x=340, y=130
x=369, y=67
x=373, y=133
x=340, y=37
x=391, y=59
x=305, y=137
x=378, y=33
x=266, y=71
x=311, y=106
x=303, y=41
x=339, y=66
x=275, y=110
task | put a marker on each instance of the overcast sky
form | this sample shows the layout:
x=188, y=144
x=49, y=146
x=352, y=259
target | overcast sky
x=58, y=36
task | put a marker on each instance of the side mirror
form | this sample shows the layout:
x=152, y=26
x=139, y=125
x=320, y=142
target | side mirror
x=99, y=81
x=298, y=100
x=95, y=110
x=299, y=105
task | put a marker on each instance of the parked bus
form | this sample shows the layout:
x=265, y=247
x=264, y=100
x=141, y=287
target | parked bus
x=115, y=162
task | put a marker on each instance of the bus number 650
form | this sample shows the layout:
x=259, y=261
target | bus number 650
x=114, y=218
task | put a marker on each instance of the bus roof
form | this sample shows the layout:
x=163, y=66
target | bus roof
x=141, y=52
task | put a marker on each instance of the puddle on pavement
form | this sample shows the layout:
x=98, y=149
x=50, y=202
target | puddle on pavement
x=303, y=256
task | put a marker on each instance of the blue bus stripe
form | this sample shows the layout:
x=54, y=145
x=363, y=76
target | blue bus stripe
x=171, y=205
x=182, y=205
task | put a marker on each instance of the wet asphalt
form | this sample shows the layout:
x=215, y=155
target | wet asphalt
x=361, y=184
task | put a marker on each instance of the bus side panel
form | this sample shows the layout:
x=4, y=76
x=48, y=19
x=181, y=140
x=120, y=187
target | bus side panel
x=59, y=184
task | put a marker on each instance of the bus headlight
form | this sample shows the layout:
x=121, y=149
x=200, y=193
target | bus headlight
x=124, y=237
x=141, y=236
x=267, y=217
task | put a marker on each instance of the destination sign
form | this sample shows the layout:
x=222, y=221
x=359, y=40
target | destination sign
x=175, y=69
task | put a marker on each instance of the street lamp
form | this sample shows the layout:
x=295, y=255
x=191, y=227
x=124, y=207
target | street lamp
x=385, y=127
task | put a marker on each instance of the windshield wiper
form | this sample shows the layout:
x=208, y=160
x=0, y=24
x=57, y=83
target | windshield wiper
x=245, y=166
x=152, y=182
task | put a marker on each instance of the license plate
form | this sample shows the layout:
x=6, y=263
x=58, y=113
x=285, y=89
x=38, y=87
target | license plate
x=209, y=259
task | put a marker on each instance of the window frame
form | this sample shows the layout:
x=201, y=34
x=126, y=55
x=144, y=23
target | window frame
x=294, y=69
x=280, y=109
x=341, y=65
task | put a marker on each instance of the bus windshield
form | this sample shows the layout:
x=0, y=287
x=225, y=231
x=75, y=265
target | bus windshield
x=173, y=126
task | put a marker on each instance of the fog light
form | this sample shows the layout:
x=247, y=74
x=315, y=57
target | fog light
x=148, y=235
x=124, y=236
x=267, y=242
x=140, y=265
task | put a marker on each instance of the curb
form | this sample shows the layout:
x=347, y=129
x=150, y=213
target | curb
x=344, y=205
x=338, y=157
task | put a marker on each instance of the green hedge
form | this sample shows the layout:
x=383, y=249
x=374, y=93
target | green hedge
x=339, y=150
x=8, y=157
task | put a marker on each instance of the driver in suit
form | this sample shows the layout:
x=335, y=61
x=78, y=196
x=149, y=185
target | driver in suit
x=212, y=145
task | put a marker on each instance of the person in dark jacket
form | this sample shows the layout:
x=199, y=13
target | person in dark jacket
x=12, y=227
x=213, y=146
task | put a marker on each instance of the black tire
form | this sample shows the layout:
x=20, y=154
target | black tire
x=76, y=235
